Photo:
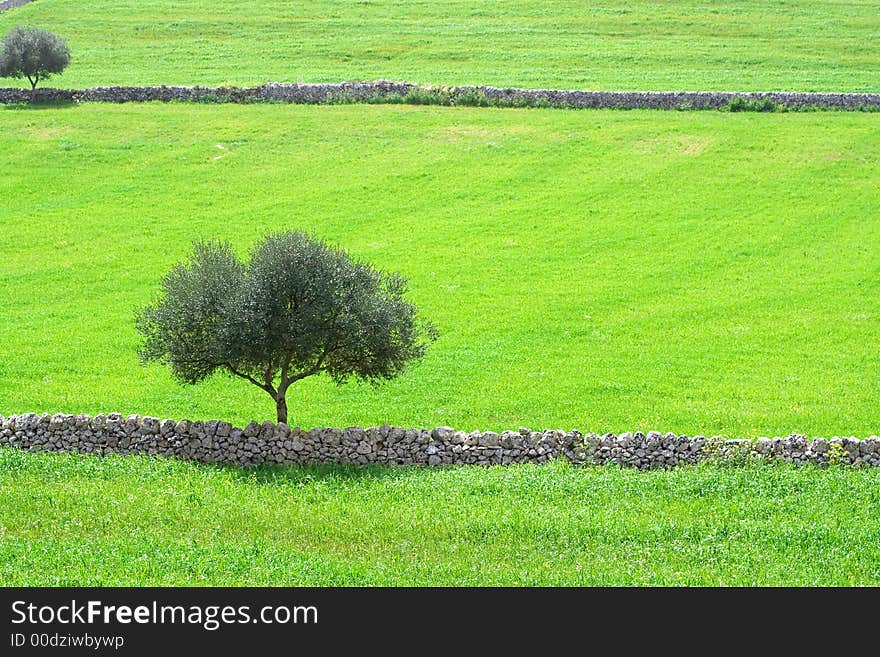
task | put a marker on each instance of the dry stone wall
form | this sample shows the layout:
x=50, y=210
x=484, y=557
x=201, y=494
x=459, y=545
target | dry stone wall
x=270, y=443
x=384, y=91
x=12, y=4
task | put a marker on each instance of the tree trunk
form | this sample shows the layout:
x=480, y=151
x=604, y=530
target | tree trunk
x=281, y=407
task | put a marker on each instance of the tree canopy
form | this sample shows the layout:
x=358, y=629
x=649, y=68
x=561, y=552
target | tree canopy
x=297, y=308
x=33, y=54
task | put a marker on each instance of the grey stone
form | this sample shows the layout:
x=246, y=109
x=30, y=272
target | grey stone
x=132, y=423
x=149, y=426
x=488, y=439
x=359, y=91
x=443, y=434
x=271, y=443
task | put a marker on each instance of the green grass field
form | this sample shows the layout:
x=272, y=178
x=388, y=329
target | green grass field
x=79, y=520
x=696, y=272
x=809, y=45
x=602, y=270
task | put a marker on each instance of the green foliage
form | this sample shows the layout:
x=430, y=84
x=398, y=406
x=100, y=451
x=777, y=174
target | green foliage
x=428, y=96
x=211, y=99
x=809, y=45
x=33, y=54
x=188, y=327
x=297, y=308
x=77, y=520
x=440, y=96
x=837, y=455
x=740, y=104
x=444, y=97
x=470, y=98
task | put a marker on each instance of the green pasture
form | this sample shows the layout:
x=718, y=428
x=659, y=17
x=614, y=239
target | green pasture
x=80, y=520
x=749, y=45
x=707, y=272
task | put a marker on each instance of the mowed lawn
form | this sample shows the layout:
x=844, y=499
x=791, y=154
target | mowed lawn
x=80, y=520
x=761, y=45
x=696, y=272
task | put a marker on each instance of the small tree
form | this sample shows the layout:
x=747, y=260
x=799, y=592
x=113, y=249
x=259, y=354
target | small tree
x=33, y=54
x=298, y=308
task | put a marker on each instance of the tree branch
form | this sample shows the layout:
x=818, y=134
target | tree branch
x=315, y=369
x=267, y=377
x=247, y=377
x=285, y=368
x=322, y=358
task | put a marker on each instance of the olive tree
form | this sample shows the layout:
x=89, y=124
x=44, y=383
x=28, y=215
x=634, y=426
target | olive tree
x=33, y=54
x=298, y=307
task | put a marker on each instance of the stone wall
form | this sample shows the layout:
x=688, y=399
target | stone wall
x=269, y=443
x=404, y=92
x=11, y=4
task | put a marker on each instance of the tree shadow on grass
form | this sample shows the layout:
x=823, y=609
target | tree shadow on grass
x=294, y=474
x=40, y=105
x=268, y=474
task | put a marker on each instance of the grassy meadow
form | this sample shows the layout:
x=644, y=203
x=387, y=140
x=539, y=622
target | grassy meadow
x=603, y=270
x=129, y=521
x=757, y=45
x=697, y=272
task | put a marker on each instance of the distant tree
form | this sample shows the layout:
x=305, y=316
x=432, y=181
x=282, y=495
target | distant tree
x=297, y=308
x=33, y=54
